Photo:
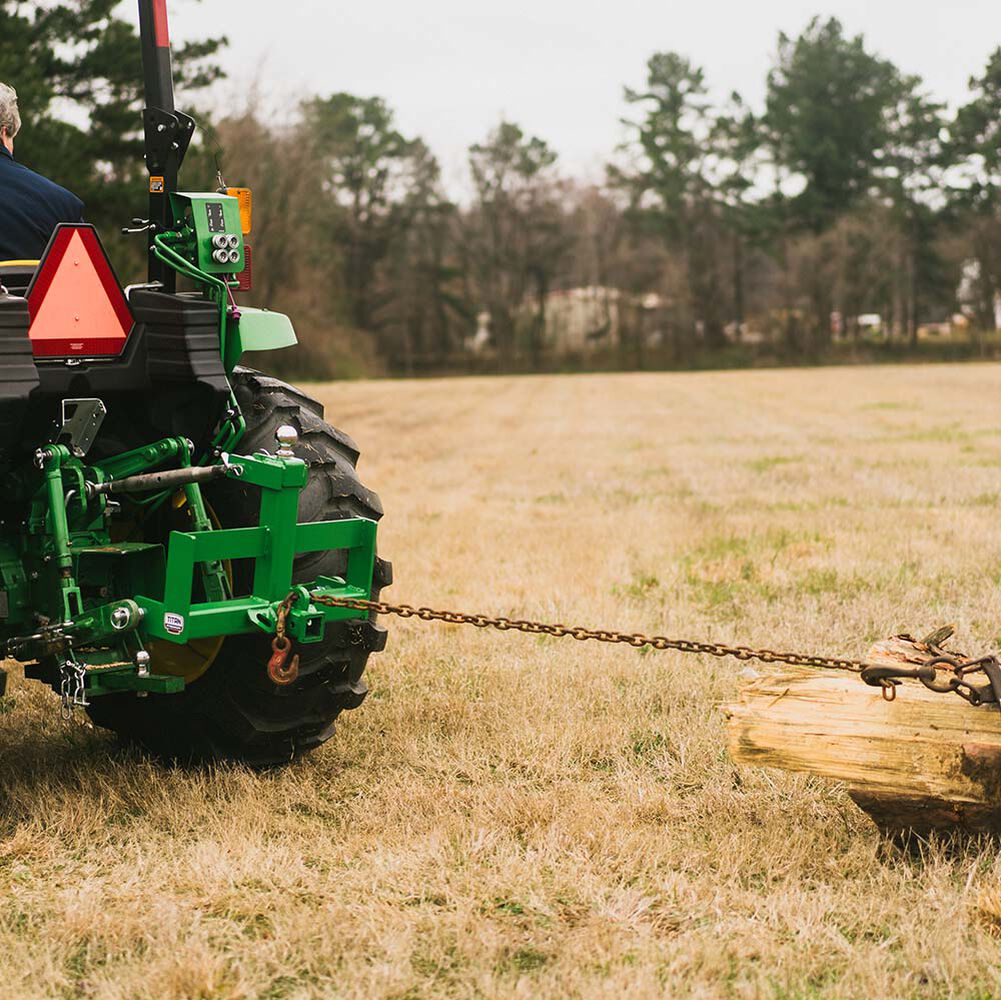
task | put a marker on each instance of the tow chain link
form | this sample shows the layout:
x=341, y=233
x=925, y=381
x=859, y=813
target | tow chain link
x=582, y=634
x=955, y=671
x=280, y=671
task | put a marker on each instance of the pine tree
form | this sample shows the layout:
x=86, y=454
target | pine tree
x=77, y=70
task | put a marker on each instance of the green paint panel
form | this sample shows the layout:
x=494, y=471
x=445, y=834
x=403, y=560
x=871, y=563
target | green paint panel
x=259, y=330
x=211, y=217
x=237, y=616
x=177, y=618
x=126, y=679
x=272, y=546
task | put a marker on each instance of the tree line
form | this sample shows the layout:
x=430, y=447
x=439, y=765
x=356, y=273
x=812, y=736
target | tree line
x=853, y=200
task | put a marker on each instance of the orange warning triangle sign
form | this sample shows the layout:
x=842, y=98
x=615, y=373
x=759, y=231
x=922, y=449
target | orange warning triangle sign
x=77, y=307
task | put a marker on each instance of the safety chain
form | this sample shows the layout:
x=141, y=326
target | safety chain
x=72, y=687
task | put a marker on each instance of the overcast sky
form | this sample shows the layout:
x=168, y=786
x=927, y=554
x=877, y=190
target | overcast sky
x=452, y=68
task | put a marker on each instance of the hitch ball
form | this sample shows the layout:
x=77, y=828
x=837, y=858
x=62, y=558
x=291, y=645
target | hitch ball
x=287, y=437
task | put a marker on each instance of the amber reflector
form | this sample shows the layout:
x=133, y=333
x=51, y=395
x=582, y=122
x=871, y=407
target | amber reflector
x=246, y=200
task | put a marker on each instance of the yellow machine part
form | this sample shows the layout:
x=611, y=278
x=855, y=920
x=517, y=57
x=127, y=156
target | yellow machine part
x=194, y=658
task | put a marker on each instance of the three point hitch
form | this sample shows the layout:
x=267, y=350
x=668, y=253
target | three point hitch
x=182, y=592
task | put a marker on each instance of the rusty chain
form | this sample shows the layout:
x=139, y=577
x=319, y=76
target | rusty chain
x=280, y=672
x=635, y=639
x=887, y=677
x=877, y=674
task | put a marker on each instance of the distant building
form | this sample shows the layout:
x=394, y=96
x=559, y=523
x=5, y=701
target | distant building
x=584, y=320
x=967, y=293
x=580, y=320
x=479, y=342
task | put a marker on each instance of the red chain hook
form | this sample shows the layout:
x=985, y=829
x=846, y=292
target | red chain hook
x=280, y=673
x=281, y=645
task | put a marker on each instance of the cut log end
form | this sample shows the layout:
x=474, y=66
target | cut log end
x=924, y=761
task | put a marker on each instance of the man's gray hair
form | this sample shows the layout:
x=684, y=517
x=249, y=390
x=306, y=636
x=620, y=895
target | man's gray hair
x=10, y=117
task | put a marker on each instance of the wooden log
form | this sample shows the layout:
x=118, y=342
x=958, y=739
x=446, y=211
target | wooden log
x=921, y=762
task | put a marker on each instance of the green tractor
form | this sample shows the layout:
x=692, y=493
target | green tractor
x=175, y=529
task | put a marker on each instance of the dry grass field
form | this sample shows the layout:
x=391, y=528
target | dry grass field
x=509, y=816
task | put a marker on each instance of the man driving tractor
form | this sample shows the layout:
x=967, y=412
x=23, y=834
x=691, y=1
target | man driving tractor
x=31, y=205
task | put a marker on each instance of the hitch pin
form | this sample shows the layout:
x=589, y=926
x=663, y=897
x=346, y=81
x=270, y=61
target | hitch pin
x=227, y=464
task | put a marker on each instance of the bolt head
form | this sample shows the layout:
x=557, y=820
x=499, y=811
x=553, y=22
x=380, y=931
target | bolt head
x=121, y=617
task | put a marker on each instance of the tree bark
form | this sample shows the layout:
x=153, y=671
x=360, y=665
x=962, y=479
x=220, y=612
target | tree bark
x=738, y=285
x=924, y=761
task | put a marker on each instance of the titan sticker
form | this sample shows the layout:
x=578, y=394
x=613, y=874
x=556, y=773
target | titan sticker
x=174, y=624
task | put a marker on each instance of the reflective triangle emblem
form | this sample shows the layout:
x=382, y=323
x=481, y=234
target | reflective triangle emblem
x=77, y=307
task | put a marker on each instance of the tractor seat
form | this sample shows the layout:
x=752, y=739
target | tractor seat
x=16, y=275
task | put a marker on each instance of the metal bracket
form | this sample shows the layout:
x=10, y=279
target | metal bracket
x=185, y=133
x=81, y=423
x=992, y=669
x=880, y=674
x=305, y=623
x=953, y=679
x=166, y=131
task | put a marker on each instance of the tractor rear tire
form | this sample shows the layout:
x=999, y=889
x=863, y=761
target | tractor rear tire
x=234, y=711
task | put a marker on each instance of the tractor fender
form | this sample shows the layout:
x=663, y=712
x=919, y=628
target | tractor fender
x=257, y=330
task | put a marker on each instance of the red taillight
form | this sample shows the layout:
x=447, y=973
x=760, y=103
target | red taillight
x=246, y=276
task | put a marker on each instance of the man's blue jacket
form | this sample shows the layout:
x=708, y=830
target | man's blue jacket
x=30, y=208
